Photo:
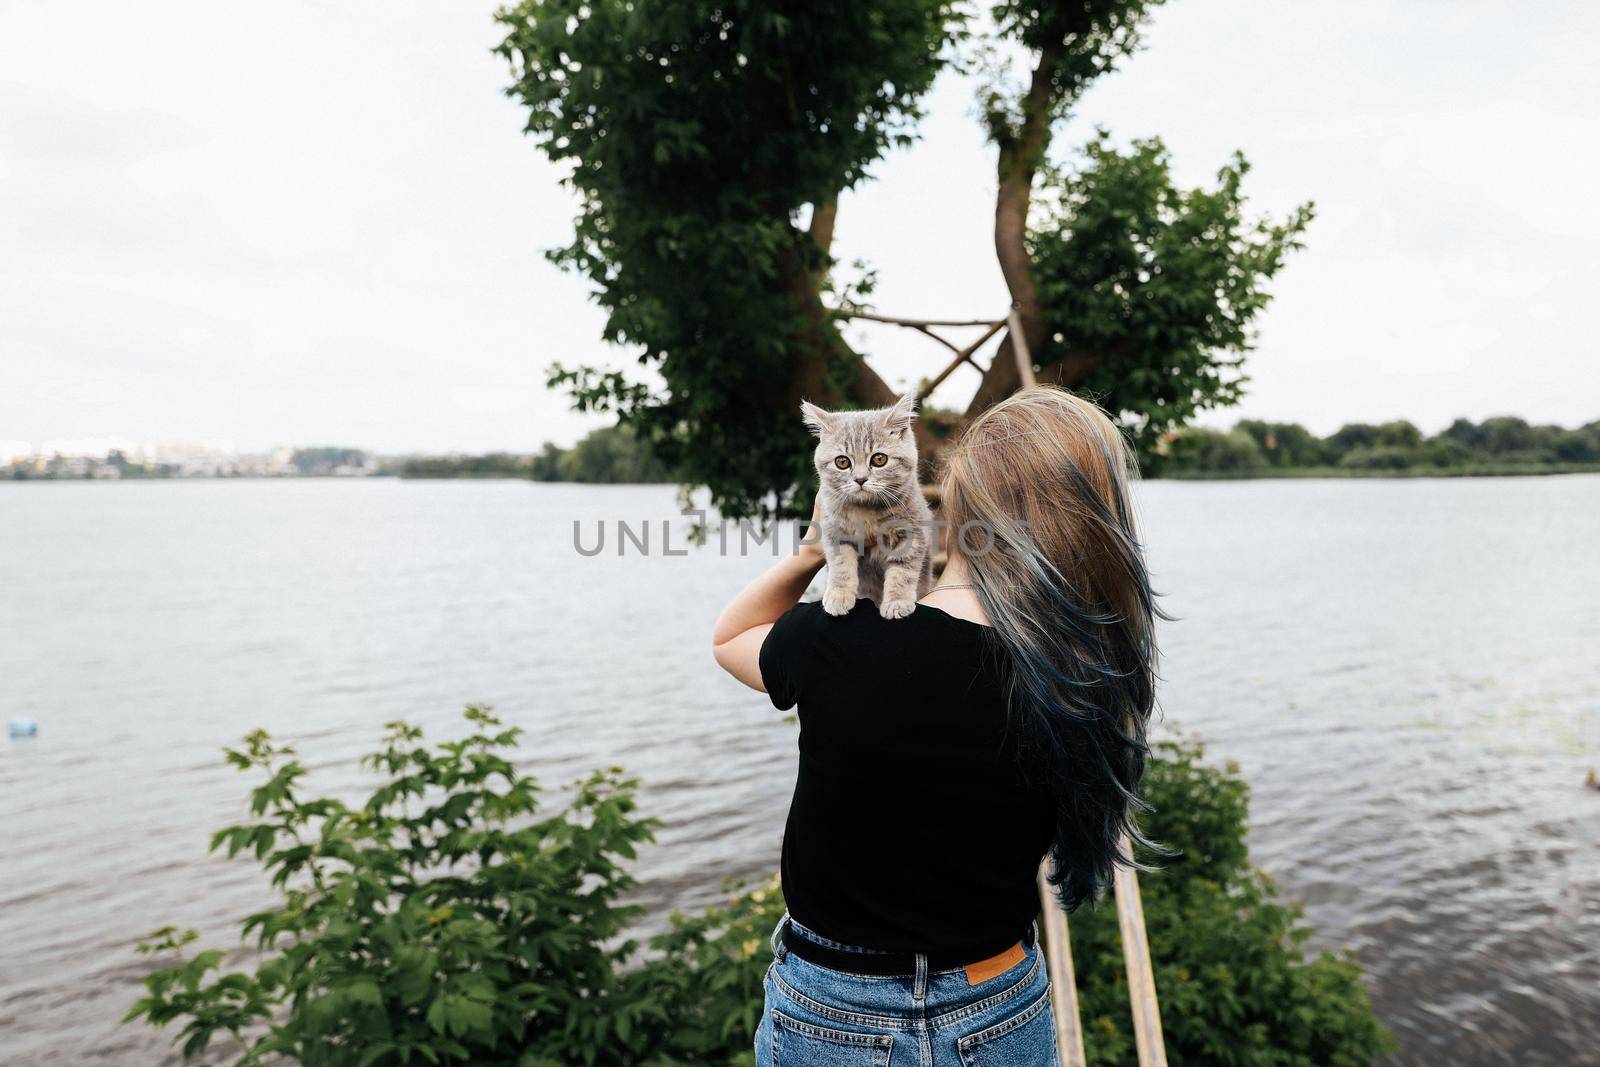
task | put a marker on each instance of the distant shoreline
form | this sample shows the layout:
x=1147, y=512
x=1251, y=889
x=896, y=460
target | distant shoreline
x=1509, y=470
x=1267, y=474
x=1500, y=447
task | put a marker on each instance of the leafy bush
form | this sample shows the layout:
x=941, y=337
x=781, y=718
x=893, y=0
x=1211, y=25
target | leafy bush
x=1445, y=451
x=448, y=920
x=1286, y=444
x=1577, y=446
x=1199, y=448
x=610, y=455
x=1236, y=989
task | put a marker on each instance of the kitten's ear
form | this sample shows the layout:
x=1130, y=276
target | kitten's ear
x=817, y=421
x=898, y=418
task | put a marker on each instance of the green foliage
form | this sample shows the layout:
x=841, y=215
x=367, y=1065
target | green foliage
x=491, y=465
x=698, y=136
x=1500, y=445
x=1285, y=444
x=449, y=920
x=1076, y=43
x=1161, y=284
x=1575, y=446
x=607, y=456
x=694, y=133
x=1379, y=457
x=1443, y=452
x=1233, y=451
x=1236, y=987
x=1400, y=435
x=708, y=972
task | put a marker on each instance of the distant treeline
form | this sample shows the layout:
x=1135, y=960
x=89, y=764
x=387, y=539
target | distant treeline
x=1253, y=448
x=1501, y=445
x=607, y=456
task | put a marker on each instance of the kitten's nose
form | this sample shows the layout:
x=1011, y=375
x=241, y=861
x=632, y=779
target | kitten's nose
x=861, y=479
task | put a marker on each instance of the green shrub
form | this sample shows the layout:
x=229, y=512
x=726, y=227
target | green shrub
x=1445, y=451
x=1285, y=444
x=450, y=920
x=1236, y=989
x=1577, y=446
x=1200, y=449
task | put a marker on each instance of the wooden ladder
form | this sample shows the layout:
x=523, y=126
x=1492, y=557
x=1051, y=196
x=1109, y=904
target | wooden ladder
x=1136, y=962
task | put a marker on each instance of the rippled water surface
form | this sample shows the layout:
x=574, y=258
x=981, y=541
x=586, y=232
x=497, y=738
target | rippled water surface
x=1408, y=673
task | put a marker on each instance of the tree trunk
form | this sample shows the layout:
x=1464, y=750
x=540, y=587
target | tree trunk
x=822, y=343
x=822, y=218
x=1020, y=156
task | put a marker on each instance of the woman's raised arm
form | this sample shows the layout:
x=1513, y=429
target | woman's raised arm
x=743, y=624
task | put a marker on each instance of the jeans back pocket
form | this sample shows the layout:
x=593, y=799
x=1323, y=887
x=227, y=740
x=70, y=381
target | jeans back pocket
x=802, y=1044
x=1026, y=1039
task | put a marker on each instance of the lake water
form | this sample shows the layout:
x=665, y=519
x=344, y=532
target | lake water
x=1406, y=671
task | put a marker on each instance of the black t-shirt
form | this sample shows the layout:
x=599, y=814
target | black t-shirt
x=912, y=827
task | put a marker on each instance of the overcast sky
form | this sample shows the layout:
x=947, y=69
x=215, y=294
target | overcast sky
x=317, y=221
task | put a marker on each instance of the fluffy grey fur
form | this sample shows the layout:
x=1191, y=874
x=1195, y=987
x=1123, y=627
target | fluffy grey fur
x=877, y=530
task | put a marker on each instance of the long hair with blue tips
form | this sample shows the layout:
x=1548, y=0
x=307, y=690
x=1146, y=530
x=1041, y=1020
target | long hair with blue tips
x=1036, y=498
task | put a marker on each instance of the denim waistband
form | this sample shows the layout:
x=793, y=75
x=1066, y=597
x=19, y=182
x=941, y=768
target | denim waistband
x=788, y=921
x=827, y=942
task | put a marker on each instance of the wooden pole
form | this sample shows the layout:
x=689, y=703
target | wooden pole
x=845, y=313
x=963, y=355
x=1136, y=961
x=1063, y=982
x=1019, y=348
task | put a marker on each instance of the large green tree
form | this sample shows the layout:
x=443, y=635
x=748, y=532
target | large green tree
x=708, y=142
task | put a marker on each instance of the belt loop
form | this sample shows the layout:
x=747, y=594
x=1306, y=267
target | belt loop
x=919, y=987
x=779, y=950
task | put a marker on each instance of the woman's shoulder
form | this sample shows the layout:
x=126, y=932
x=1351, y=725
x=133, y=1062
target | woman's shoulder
x=807, y=647
x=809, y=621
x=804, y=617
x=796, y=629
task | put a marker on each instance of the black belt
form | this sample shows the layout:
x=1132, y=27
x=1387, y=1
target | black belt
x=882, y=964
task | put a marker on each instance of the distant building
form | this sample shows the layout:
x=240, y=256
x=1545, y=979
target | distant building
x=88, y=447
x=114, y=457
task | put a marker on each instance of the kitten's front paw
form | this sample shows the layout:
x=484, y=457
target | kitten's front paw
x=897, y=609
x=838, y=601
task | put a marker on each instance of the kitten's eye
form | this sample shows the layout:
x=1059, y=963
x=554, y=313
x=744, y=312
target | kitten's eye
x=879, y=459
x=842, y=462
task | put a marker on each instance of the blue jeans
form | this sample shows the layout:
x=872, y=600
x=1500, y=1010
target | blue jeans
x=817, y=1017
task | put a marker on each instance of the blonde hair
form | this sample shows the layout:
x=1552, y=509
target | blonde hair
x=1036, y=498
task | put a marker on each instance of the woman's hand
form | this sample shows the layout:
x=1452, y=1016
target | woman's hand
x=809, y=546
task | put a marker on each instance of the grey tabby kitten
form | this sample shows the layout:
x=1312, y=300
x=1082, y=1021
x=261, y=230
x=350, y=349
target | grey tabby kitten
x=877, y=530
